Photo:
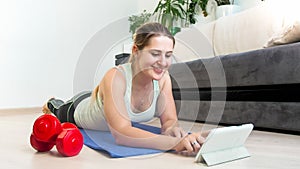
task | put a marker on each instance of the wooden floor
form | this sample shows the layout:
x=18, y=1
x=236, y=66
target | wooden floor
x=268, y=151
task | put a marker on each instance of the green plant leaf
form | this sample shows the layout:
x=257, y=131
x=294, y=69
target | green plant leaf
x=137, y=20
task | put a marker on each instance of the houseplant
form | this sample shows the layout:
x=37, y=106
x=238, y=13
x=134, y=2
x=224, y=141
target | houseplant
x=194, y=6
x=224, y=2
x=193, y=9
x=168, y=12
x=175, y=14
x=137, y=20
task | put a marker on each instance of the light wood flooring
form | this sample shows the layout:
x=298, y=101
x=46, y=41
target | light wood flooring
x=268, y=151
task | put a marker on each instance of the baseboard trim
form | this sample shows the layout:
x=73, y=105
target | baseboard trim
x=12, y=111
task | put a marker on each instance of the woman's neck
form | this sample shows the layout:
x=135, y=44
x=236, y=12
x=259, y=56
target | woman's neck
x=138, y=78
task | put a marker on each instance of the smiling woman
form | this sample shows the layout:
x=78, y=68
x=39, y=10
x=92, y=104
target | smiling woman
x=153, y=58
x=136, y=91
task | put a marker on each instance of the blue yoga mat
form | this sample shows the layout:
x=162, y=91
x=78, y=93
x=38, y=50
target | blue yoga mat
x=104, y=141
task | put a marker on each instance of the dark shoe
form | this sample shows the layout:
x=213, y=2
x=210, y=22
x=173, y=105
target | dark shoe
x=54, y=104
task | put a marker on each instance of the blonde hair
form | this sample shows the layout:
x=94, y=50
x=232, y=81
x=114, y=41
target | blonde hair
x=145, y=32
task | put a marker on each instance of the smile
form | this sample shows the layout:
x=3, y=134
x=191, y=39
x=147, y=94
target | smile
x=158, y=70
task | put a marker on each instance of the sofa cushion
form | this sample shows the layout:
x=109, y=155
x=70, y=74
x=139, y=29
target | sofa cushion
x=265, y=25
x=289, y=34
x=245, y=31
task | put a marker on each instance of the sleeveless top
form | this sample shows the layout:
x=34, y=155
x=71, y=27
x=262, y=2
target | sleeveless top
x=89, y=114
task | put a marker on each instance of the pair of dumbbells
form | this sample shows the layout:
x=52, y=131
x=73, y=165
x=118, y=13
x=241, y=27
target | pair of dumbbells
x=48, y=131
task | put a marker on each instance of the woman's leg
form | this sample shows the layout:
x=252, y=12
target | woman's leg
x=65, y=111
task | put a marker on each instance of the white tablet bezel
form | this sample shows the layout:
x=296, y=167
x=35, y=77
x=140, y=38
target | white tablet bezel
x=224, y=138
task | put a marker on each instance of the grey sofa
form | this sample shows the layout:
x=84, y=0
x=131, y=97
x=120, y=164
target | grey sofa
x=260, y=87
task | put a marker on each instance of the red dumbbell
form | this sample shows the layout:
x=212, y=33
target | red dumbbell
x=48, y=131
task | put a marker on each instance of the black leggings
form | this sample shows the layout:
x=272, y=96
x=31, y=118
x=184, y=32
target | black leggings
x=65, y=111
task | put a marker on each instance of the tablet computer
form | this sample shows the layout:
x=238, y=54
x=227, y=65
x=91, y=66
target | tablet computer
x=225, y=144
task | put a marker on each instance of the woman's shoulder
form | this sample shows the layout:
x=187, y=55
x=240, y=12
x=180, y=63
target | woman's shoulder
x=113, y=75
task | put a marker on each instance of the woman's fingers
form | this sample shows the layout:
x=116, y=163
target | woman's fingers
x=200, y=139
x=182, y=133
x=205, y=133
x=177, y=132
x=184, y=145
x=196, y=140
x=188, y=145
x=191, y=142
x=196, y=145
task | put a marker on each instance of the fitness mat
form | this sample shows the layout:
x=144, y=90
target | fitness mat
x=104, y=141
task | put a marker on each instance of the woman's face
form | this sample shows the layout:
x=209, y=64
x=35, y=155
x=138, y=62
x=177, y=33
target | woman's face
x=155, y=59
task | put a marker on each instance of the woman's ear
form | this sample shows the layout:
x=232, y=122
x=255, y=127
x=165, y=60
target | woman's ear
x=134, y=50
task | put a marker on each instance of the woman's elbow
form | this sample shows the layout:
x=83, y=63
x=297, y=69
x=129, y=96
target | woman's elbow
x=119, y=139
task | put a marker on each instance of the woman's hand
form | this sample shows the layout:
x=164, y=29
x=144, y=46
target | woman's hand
x=175, y=132
x=191, y=143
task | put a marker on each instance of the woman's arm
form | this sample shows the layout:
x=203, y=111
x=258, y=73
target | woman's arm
x=113, y=88
x=168, y=117
x=167, y=109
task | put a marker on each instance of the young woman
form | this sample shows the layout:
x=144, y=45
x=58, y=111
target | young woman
x=134, y=92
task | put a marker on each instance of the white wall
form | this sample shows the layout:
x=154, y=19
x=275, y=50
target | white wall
x=41, y=41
